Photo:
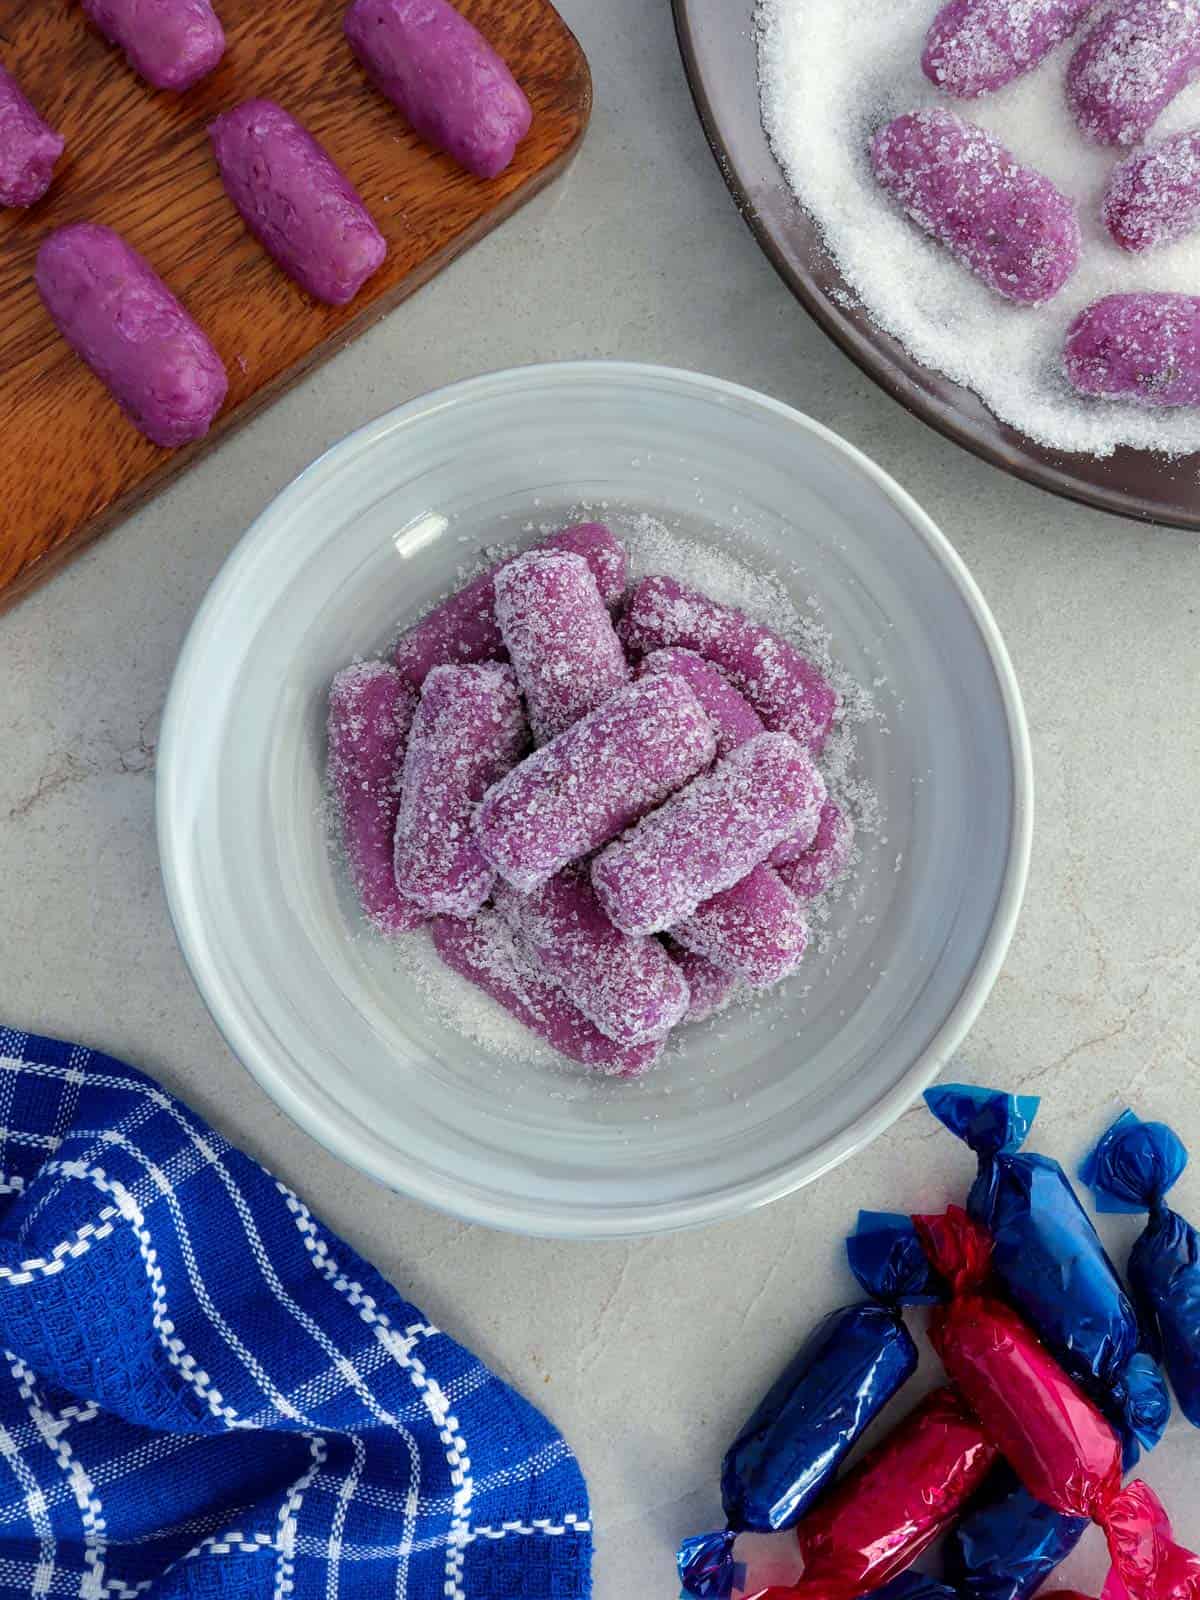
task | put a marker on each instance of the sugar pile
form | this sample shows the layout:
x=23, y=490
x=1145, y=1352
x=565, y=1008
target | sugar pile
x=831, y=75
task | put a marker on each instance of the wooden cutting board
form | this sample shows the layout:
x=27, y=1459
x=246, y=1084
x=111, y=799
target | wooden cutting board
x=139, y=161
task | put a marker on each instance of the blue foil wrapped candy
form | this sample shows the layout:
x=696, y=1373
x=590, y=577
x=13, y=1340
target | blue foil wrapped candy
x=1008, y=1543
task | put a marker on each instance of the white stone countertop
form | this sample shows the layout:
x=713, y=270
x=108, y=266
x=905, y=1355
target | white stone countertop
x=649, y=1355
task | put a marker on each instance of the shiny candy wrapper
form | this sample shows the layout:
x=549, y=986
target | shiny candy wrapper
x=1008, y=1543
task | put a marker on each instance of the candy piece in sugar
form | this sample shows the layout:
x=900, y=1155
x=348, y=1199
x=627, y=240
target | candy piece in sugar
x=710, y=988
x=483, y=951
x=582, y=789
x=977, y=46
x=469, y=730
x=1003, y=221
x=444, y=76
x=298, y=204
x=756, y=930
x=370, y=712
x=29, y=147
x=789, y=693
x=463, y=628
x=1141, y=347
x=1133, y=1169
x=1008, y=1543
x=710, y=835
x=811, y=871
x=559, y=637
x=114, y=311
x=1130, y=65
x=1154, y=195
x=731, y=714
x=172, y=43
x=629, y=988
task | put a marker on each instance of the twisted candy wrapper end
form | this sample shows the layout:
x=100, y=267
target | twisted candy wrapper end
x=1135, y=1166
x=888, y=1259
x=988, y=1121
x=707, y=1569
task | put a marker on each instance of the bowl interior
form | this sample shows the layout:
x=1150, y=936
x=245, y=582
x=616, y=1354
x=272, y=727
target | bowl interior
x=340, y=1027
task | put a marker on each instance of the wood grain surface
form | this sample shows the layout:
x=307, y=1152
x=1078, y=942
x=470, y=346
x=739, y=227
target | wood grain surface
x=139, y=161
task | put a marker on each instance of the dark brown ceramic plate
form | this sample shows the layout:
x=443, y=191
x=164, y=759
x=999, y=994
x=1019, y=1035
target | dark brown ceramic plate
x=717, y=40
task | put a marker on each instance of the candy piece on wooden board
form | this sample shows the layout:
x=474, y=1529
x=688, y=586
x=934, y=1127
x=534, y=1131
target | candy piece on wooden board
x=583, y=788
x=629, y=988
x=559, y=638
x=463, y=628
x=294, y=199
x=483, y=951
x=29, y=147
x=710, y=988
x=1002, y=220
x=1142, y=347
x=469, y=730
x=811, y=872
x=370, y=712
x=710, y=835
x=977, y=46
x=445, y=78
x=1133, y=1169
x=1130, y=65
x=1050, y=1264
x=1007, y=1544
x=756, y=930
x=117, y=314
x=1153, y=197
x=171, y=43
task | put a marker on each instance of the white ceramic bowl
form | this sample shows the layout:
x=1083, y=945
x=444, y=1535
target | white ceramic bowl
x=768, y=1098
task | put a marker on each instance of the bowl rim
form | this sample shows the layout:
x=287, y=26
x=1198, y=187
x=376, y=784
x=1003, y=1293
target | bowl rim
x=342, y=1134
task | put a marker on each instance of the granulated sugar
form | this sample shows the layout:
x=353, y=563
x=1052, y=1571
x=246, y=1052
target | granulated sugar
x=834, y=74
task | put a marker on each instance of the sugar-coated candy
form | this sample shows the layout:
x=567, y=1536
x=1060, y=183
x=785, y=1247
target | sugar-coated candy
x=1130, y=65
x=1133, y=1169
x=463, y=628
x=1004, y=221
x=1050, y=1263
x=1007, y=1544
x=172, y=43
x=977, y=46
x=814, y=871
x=710, y=988
x=444, y=76
x=29, y=147
x=371, y=709
x=790, y=694
x=731, y=714
x=629, y=988
x=482, y=950
x=1142, y=347
x=296, y=201
x=586, y=786
x=756, y=930
x=559, y=637
x=1154, y=195
x=469, y=730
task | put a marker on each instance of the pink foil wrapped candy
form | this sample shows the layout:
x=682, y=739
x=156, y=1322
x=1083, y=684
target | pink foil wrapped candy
x=298, y=204
x=711, y=988
x=629, y=988
x=977, y=46
x=559, y=637
x=1131, y=65
x=789, y=693
x=809, y=875
x=29, y=147
x=469, y=730
x=583, y=788
x=1154, y=196
x=1003, y=221
x=170, y=43
x=710, y=835
x=1139, y=347
x=756, y=930
x=117, y=314
x=370, y=712
x=445, y=78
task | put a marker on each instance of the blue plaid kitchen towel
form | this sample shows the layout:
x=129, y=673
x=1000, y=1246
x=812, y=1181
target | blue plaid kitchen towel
x=204, y=1393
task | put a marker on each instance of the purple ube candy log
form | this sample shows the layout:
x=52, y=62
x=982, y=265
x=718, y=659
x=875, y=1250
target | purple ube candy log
x=1154, y=196
x=444, y=76
x=1007, y=223
x=822, y=865
x=629, y=988
x=559, y=637
x=788, y=692
x=171, y=43
x=370, y=712
x=484, y=952
x=1131, y=65
x=116, y=312
x=296, y=201
x=730, y=713
x=469, y=730
x=583, y=788
x=977, y=46
x=755, y=930
x=1139, y=347
x=29, y=147
x=709, y=836
x=464, y=627
x=711, y=987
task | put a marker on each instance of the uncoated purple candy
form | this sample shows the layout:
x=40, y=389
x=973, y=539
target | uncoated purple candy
x=444, y=76
x=171, y=43
x=1007, y=223
x=977, y=46
x=1139, y=347
x=1154, y=196
x=1131, y=65
x=296, y=201
x=29, y=147
x=117, y=313
x=755, y=930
